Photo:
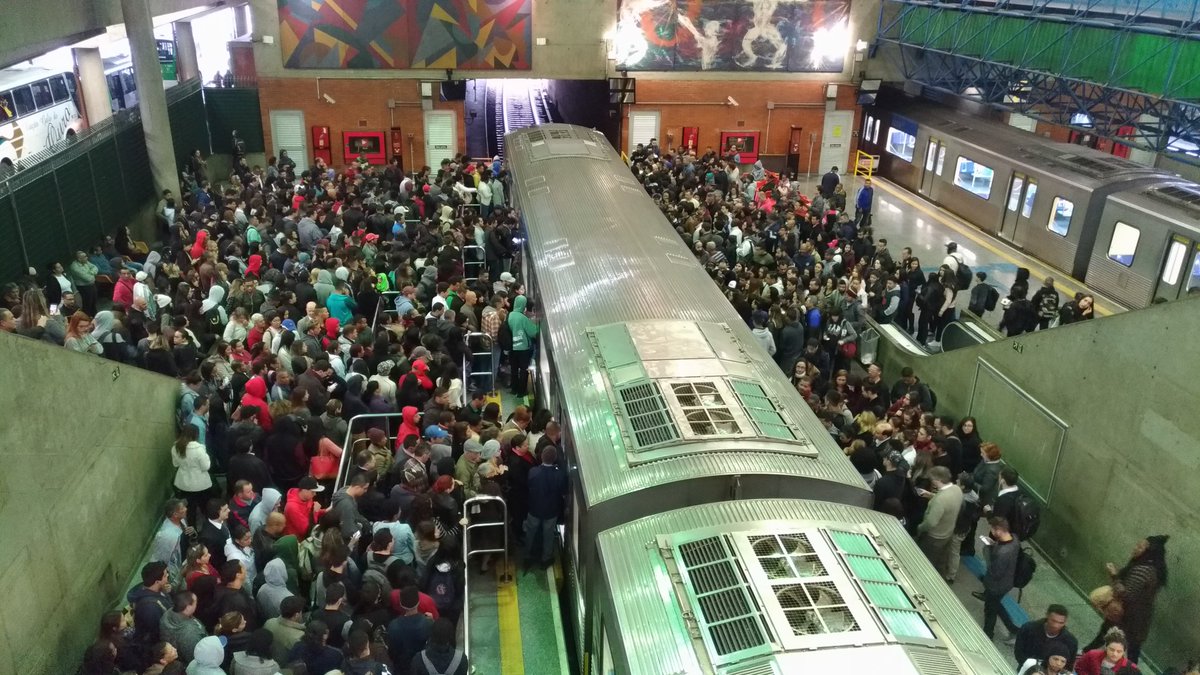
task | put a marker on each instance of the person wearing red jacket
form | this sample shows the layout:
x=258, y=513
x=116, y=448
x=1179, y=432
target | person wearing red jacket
x=256, y=395
x=1112, y=656
x=301, y=511
x=409, y=426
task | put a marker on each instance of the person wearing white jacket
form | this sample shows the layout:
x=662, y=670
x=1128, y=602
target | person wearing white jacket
x=191, y=461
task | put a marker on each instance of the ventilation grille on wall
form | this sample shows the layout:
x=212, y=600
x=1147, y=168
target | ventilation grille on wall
x=647, y=413
x=729, y=616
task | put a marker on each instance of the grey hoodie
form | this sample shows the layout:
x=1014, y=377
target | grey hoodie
x=324, y=286
x=181, y=631
x=347, y=509
x=209, y=655
x=274, y=589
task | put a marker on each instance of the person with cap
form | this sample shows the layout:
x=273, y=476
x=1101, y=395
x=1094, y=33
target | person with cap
x=1135, y=588
x=466, y=469
x=490, y=466
x=301, y=509
x=762, y=333
x=1055, y=659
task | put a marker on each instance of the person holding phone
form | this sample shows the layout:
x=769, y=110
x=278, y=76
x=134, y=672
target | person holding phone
x=1001, y=552
x=935, y=534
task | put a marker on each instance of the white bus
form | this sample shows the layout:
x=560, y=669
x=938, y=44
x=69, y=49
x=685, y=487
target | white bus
x=38, y=108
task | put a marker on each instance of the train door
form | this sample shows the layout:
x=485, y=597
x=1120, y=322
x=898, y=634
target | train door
x=1180, y=270
x=935, y=159
x=1021, y=192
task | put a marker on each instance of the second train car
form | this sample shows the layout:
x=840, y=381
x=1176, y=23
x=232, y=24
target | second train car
x=1056, y=201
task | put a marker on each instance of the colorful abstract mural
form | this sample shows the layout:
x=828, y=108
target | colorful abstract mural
x=761, y=35
x=387, y=34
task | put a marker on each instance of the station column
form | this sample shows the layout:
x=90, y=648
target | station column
x=186, y=62
x=93, y=87
x=152, y=99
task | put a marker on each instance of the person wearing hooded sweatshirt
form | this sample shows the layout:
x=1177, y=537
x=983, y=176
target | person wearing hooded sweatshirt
x=123, y=289
x=256, y=395
x=213, y=315
x=341, y=304
x=762, y=333
x=409, y=426
x=266, y=505
x=524, y=331
x=324, y=287
x=209, y=655
x=301, y=509
x=274, y=589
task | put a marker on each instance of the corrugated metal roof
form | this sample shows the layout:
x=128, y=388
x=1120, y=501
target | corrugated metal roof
x=604, y=254
x=656, y=636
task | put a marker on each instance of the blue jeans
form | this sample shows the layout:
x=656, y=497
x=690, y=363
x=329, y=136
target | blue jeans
x=538, y=530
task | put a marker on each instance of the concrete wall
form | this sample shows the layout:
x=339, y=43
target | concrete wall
x=84, y=469
x=1129, y=467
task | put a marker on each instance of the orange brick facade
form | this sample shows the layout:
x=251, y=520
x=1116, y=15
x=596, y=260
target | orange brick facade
x=751, y=114
x=362, y=105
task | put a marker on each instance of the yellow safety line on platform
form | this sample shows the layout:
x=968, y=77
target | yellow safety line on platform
x=512, y=656
x=1063, y=280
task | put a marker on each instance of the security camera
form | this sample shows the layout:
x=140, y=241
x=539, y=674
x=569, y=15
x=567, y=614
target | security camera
x=731, y=101
x=329, y=99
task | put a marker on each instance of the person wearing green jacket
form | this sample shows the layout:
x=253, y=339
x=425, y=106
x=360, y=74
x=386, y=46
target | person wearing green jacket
x=524, y=332
x=83, y=274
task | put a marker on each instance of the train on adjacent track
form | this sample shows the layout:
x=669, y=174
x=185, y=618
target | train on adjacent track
x=668, y=405
x=1128, y=231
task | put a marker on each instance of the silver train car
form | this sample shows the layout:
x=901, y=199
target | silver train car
x=665, y=398
x=779, y=586
x=1148, y=244
x=1044, y=197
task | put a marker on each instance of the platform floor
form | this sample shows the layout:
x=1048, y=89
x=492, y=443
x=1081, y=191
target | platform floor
x=905, y=219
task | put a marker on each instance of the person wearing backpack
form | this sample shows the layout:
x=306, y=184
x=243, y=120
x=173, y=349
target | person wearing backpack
x=1001, y=555
x=444, y=580
x=984, y=296
x=1045, y=303
x=440, y=657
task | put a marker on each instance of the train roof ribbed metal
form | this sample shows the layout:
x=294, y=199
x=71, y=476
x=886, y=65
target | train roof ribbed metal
x=602, y=254
x=649, y=616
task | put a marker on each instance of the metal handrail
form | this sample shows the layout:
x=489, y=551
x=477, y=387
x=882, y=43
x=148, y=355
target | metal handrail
x=390, y=296
x=469, y=355
x=478, y=264
x=505, y=577
x=347, y=446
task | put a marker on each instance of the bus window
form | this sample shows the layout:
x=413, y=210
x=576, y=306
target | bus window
x=70, y=84
x=41, y=94
x=6, y=107
x=22, y=98
x=58, y=87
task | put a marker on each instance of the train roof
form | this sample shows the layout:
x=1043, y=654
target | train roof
x=779, y=586
x=1174, y=199
x=15, y=77
x=662, y=379
x=1076, y=164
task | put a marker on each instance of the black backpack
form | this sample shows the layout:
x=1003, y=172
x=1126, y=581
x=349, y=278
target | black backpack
x=1027, y=516
x=992, y=297
x=504, y=337
x=1025, y=569
x=963, y=275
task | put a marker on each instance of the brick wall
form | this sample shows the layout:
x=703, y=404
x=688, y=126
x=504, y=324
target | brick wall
x=751, y=114
x=361, y=106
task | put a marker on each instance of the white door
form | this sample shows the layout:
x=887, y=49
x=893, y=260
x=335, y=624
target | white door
x=441, y=138
x=835, y=142
x=642, y=127
x=287, y=133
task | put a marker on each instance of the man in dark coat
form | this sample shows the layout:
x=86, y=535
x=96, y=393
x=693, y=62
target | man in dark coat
x=790, y=345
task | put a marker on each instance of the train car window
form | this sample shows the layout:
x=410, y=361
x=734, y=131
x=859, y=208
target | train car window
x=1174, y=265
x=22, y=98
x=941, y=160
x=1029, y=195
x=1014, y=193
x=1060, y=215
x=1124, y=243
x=867, y=128
x=974, y=177
x=1194, y=279
x=931, y=155
x=58, y=88
x=41, y=94
x=875, y=136
x=901, y=144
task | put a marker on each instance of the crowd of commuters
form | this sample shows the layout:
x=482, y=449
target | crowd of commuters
x=803, y=273
x=263, y=301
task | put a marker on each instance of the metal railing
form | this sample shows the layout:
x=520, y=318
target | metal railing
x=505, y=576
x=348, y=447
x=472, y=360
x=478, y=261
x=385, y=305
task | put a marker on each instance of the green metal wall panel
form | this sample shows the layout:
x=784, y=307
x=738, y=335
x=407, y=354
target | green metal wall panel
x=78, y=197
x=230, y=109
x=41, y=222
x=135, y=165
x=110, y=192
x=12, y=258
x=189, y=126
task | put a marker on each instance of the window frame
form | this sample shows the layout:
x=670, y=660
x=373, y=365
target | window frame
x=1183, y=249
x=63, y=94
x=1192, y=275
x=21, y=110
x=1054, y=213
x=1031, y=190
x=912, y=151
x=958, y=172
x=1113, y=239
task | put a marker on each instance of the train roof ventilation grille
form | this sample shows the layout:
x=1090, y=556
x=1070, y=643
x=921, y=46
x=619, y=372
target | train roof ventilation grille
x=1188, y=197
x=875, y=577
x=763, y=411
x=649, y=419
x=1091, y=166
x=560, y=133
x=932, y=662
x=766, y=668
x=787, y=556
x=815, y=608
x=706, y=411
x=729, y=616
x=536, y=136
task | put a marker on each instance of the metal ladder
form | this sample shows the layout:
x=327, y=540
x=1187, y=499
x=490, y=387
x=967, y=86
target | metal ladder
x=473, y=260
x=505, y=577
x=478, y=354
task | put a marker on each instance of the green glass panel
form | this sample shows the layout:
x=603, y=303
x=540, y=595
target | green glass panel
x=869, y=568
x=887, y=595
x=906, y=623
x=853, y=542
x=779, y=431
